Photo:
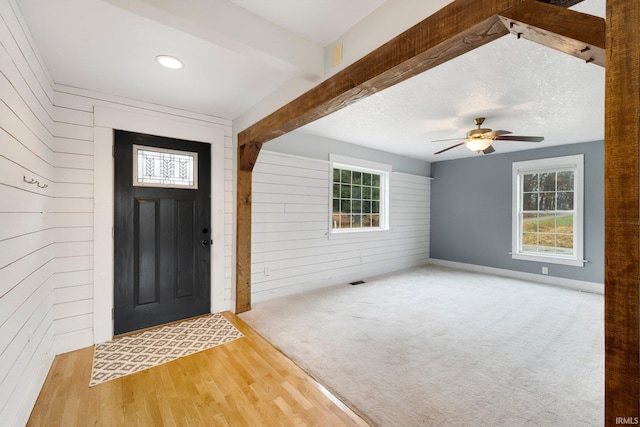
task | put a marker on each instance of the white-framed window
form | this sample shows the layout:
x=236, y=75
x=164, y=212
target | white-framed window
x=161, y=167
x=359, y=195
x=547, y=224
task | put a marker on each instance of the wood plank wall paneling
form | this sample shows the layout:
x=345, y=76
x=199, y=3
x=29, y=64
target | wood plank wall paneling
x=72, y=219
x=46, y=234
x=27, y=235
x=291, y=221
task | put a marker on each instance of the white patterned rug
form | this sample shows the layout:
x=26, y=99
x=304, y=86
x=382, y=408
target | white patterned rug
x=134, y=353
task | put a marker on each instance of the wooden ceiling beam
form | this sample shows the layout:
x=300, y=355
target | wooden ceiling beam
x=565, y=30
x=458, y=28
x=454, y=30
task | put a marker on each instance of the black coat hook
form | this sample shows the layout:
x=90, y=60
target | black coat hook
x=33, y=181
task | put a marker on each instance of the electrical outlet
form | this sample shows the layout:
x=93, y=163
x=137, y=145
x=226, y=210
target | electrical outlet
x=267, y=271
x=545, y=270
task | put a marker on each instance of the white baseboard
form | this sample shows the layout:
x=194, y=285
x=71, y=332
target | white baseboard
x=596, y=288
x=269, y=294
x=580, y=285
x=325, y=282
x=71, y=341
x=227, y=305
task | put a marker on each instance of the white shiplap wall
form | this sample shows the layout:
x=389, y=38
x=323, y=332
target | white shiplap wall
x=27, y=221
x=47, y=287
x=291, y=251
x=72, y=216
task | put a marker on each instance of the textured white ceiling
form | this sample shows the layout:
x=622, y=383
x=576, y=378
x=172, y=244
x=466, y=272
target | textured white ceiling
x=515, y=84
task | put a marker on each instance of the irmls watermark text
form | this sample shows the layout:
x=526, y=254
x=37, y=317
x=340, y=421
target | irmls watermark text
x=629, y=421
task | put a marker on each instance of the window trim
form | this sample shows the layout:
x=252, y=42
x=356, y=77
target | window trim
x=384, y=170
x=575, y=163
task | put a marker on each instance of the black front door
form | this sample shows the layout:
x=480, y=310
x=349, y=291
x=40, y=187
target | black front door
x=161, y=235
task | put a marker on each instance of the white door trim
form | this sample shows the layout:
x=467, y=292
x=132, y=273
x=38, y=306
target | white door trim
x=136, y=120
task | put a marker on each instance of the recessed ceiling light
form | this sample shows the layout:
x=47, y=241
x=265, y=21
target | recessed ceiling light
x=169, y=61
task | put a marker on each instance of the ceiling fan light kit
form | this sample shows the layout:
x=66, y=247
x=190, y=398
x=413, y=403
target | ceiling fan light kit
x=477, y=144
x=475, y=141
x=480, y=139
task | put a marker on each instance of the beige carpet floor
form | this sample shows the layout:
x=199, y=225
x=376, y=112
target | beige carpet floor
x=134, y=353
x=433, y=346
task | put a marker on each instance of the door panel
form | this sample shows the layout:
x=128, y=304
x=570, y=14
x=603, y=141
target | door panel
x=147, y=260
x=162, y=267
x=186, y=248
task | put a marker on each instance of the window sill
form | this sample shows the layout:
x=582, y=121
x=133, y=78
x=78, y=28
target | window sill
x=357, y=234
x=549, y=259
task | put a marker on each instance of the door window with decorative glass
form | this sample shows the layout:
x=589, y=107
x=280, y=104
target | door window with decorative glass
x=160, y=167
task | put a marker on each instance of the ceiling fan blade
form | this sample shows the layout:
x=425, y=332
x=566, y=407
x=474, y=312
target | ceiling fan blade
x=520, y=138
x=449, y=139
x=495, y=133
x=449, y=148
x=489, y=150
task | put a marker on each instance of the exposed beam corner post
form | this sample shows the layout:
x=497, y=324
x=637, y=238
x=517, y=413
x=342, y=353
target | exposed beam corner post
x=247, y=157
x=248, y=152
x=622, y=213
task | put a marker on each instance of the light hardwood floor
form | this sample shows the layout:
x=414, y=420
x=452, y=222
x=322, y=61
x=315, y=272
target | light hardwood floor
x=246, y=382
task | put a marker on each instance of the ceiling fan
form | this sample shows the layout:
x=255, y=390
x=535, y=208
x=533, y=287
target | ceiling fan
x=480, y=139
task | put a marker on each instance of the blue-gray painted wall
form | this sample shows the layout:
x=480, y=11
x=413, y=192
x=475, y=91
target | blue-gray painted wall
x=318, y=147
x=471, y=210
